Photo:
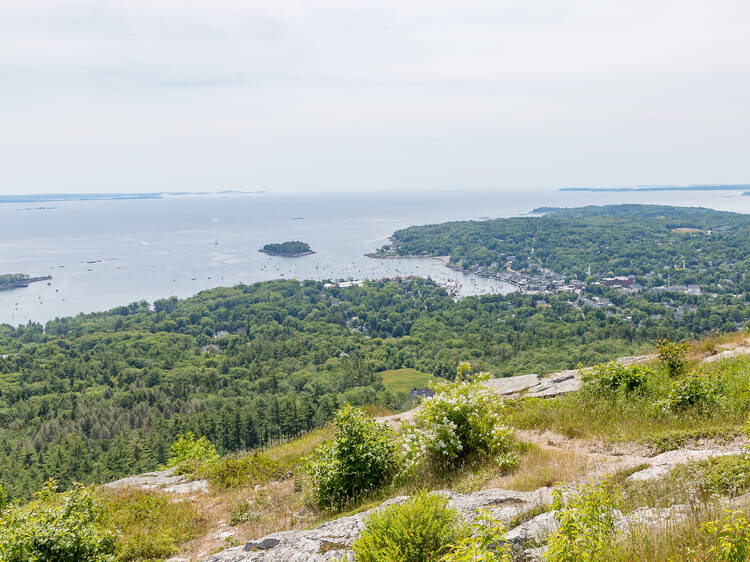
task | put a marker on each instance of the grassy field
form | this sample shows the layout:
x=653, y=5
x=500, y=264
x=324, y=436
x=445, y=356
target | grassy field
x=403, y=380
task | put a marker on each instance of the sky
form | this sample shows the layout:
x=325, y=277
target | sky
x=347, y=95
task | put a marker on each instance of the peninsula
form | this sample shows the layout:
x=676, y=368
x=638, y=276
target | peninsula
x=293, y=249
x=719, y=187
x=16, y=280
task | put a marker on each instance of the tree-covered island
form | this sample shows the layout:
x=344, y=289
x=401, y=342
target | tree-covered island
x=293, y=249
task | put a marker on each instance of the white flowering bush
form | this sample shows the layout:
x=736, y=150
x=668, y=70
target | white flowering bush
x=462, y=420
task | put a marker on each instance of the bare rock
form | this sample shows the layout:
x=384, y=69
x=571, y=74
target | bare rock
x=333, y=539
x=662, y=464
x=162, y=481
x=557, y=384
x=511, y=385
x=653, y=517
x=264, y=544
x=728, y=354
x=535, y=529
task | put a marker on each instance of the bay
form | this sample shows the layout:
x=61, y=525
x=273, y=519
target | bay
x=102, y=254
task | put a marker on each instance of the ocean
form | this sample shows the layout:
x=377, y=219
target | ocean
x=106, y=253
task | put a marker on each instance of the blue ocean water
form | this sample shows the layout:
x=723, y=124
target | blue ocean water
x=103, y=254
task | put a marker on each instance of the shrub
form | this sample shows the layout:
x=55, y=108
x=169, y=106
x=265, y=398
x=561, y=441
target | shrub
x=730, y=537
x=56, y=527
x=693, y=391
x=587, y=524
x=362, y=457
x=234, y=472
x=485, y=543
x=610, y=378
x=461, y=420
x=189, y=452
x=242, y=512
x=421, y=529
x=672, y=356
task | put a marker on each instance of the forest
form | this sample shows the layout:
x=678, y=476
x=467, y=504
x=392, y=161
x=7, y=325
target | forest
x=657, y=244
x=99, y=396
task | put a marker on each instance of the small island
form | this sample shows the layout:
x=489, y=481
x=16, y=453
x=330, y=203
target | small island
x=294, y=249
x=16, y=280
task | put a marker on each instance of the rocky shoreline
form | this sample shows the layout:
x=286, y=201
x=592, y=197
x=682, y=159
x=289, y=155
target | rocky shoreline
x=267, y=252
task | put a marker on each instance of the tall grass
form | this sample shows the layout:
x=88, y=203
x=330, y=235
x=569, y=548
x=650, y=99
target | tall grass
x=151, y=526
x=641, y=415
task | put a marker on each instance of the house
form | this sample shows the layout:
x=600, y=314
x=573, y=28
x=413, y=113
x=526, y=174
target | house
x=621, y=281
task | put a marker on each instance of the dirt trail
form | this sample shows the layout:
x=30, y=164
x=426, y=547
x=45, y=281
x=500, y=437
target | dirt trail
x=608, y=458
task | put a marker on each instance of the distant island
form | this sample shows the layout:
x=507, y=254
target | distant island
x=294, y=249
x=732, y=187
x=60, y=197
x=16, y=280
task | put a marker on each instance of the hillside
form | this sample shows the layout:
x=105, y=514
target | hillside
x=101, y=396
x=668, y=469
x=657, y=473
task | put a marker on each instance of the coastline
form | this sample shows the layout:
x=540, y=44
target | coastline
x=446, y=263
x=376, y=256
x=23, y=282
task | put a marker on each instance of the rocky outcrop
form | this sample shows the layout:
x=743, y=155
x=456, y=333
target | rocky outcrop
x=535, y=529
x=511, y=387
x=162, y=481
x=536, y=386
x=639, y=520
x=728, y=354
x=333, y=539
x=555, y=384
x=662, y=464
x=532, y=385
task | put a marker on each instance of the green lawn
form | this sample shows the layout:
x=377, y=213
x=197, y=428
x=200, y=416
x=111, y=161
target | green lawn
x=404, y=380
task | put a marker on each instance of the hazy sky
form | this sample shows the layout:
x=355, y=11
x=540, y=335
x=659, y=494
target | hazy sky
x=149, y=95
